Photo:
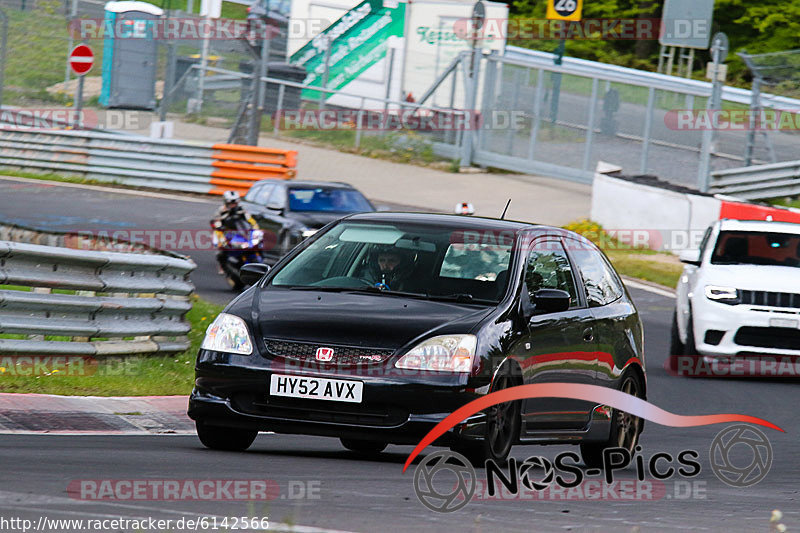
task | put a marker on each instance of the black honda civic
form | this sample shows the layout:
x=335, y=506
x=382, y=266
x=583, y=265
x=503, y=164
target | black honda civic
x=382, y=324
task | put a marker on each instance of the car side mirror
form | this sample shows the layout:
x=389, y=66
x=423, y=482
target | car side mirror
x=551, y=300
x=251, y=273
x=690, y=257
x=274, y=206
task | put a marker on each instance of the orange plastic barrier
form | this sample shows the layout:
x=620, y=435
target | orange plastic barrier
x=237, y=166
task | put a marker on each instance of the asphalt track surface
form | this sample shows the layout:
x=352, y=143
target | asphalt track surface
x=353, y=493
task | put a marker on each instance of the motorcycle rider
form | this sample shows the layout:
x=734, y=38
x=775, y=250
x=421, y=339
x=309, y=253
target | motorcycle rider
x=231, y=216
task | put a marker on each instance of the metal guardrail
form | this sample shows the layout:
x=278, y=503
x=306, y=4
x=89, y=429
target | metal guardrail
x=614, y=73
x=138, y=161
x=758, y=182
x=110, y=303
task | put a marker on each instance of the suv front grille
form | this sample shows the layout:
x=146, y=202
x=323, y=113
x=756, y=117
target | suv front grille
x=769, y=299
x=342, y=355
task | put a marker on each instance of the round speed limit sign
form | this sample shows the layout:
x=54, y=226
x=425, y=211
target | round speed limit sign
x=564, y=9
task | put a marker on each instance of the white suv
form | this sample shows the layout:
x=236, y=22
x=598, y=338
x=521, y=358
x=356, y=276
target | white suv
x=740, y=292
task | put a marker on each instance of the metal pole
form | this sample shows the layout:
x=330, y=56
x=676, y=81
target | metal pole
x=198, y=106
x=322, y=94
x=278, y=110
x=388, y=93
x=755, y=98
x=78, y=103
x=648, y=126
x=257, y=108
x=704, y=168
x=587, y=151
x=537, y=112
x=169, y=73
x=472, y=95
x=358, y=123
x=73, y=12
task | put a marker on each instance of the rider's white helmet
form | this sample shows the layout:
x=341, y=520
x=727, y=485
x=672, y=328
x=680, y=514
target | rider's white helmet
x=230, y=196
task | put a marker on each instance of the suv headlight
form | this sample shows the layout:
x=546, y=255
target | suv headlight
x=727, y=295
x=444, y=353
x=228, y=333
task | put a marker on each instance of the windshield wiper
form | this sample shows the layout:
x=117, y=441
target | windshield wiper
x=461, y=297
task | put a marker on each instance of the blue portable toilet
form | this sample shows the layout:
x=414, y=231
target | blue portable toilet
x=130, y=52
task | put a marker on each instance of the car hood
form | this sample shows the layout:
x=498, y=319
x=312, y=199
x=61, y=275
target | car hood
x=315, y=219
x=754, y=277
x=363, y=319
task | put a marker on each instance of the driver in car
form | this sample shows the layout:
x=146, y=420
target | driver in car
x=390, y=268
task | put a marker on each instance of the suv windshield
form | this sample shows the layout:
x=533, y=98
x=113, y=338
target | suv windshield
x=757, y=248
x=412, y=259
x=322, y=199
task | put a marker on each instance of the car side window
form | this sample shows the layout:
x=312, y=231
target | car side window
x=548, y=267
x=259, y=195
x=602, y=284
x=277, y=199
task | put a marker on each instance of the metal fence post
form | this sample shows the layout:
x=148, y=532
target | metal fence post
x=278, y=110
x=472, y=97
x=537, y=112
x=358, y=123
x=489, y=87
x=587, y=152
x=648, y=126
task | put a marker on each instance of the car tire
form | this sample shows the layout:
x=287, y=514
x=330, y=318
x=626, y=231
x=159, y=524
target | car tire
x=690, y=346
x=364, y=446
x=225, y=438
x=501, y=429
x=625, y=428
x=676, y=347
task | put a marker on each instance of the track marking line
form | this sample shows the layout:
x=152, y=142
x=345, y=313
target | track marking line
x=649, y=288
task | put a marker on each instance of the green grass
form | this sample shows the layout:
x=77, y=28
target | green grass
x=786, y=202
x=52, y=176
x=638, y=265
x=131, y=376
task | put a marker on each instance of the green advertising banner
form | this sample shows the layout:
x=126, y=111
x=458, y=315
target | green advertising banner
x=359, y=40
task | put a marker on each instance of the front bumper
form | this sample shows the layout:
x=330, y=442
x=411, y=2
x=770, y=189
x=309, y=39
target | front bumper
x=394, y=411
x=746, y=330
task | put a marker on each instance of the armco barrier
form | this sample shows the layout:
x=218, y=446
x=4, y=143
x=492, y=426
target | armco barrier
x=143, y=161
x=758, y=182
x=238, y=166
x=116, y=303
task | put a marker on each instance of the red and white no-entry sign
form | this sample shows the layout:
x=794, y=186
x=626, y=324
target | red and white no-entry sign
x=81, y=59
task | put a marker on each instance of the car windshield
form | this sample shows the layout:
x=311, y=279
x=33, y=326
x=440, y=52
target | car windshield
x=321, y=199
x=757, y=248
x=446, y=263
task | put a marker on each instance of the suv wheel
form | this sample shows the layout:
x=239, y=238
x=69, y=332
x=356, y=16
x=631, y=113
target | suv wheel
x=223, y=438
x=625, y=428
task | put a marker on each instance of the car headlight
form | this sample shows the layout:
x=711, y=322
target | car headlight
x=228, y=333
x=308, y=232
x=722, y=294
x=445, y=353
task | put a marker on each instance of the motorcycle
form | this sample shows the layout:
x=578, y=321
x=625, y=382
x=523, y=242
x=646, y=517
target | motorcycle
x=239, y=247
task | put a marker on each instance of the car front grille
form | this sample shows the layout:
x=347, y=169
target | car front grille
x=769, y=299
x=778, y=338
x=342, y=355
